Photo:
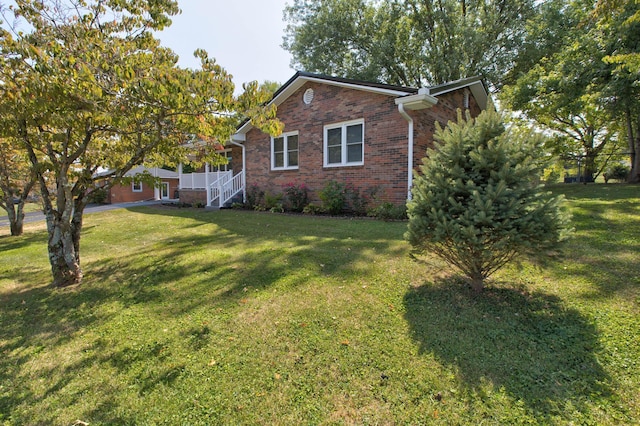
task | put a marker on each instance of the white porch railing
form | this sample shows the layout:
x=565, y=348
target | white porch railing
x=199, y=180
x=224, y=188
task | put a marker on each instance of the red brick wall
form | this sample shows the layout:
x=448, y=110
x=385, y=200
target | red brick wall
x=444, y=111
x=385, y=147
x=125, y=194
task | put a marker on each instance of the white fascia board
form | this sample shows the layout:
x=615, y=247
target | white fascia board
x=477, y=90
x=364, y=88
x=239, y=137
x=416, y=102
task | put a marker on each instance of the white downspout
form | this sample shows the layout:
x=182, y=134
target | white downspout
x=207, y=183
x=409, y=149
x=244, y=167
x=156, y=189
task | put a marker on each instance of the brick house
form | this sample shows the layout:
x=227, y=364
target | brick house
x=141, y=191
x=369, y=135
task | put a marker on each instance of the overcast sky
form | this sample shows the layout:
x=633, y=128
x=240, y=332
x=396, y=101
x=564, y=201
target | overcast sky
x=244, y=36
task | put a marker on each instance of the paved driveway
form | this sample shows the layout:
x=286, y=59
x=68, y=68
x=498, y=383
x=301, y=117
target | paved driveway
x=93, y=208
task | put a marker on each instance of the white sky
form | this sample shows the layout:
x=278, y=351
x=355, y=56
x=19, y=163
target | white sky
x=244, y=36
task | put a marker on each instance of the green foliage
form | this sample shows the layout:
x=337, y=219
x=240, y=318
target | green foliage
x=388, y=211
x=476, y=204
x=407, y=43
x=296, y=196
x=334, y=197
x=574, y=79
x=552, y=174
x=313, y=209
x=255, y=197
x=87, y=86
x=98, y=196
x=272, y=201
x=618, y=172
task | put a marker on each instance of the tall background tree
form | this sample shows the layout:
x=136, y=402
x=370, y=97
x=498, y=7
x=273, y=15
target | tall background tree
x=409, y=42
x=86, y=86
x=577, y=78
x=16, y=181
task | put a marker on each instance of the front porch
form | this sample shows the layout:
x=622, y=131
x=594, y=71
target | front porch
x=211, y=188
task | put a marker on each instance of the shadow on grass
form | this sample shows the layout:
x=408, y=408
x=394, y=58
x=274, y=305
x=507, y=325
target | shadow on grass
x=208, y=266
x=34, y=320
x=530, y=345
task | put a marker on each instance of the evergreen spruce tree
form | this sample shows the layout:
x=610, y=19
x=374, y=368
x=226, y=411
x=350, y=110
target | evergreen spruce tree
x=477, y=203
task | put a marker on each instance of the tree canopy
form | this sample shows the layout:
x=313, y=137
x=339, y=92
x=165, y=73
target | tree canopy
x=409, y=42
x=583, y=86
x=85, y=86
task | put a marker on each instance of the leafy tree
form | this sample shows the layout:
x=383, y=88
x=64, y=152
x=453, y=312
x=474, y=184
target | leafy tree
x=16, y=182
x=617, y=24
x=570, y=79
x=87, y=87
x=477, y=204
x=410, y=42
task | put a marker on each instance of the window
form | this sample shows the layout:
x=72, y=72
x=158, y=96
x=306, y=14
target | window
x=284, y=151
x=344, y=144
x=136, y=186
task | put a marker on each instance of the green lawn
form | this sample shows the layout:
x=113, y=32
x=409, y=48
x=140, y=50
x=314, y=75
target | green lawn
x=231, y=317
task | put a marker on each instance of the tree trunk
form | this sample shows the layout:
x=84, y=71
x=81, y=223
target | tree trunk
x=634, y=148
x=64, y=240
x=477, y=282
x=16, y=218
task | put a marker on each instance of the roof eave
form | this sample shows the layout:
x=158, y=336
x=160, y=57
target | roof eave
x=417, y=102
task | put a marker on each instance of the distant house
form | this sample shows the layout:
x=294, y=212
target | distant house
x=140, y=191
x=369, y=135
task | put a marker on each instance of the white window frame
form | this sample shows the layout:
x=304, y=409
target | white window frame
x=343, y=151
x=285, y=137
x=133, y=187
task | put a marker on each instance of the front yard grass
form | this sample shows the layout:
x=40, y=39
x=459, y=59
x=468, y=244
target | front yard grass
x=232, y=317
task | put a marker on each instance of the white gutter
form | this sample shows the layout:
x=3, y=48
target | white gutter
x=244, y=168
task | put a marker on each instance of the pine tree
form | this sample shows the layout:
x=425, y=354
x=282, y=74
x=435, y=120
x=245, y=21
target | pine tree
x=477, y=203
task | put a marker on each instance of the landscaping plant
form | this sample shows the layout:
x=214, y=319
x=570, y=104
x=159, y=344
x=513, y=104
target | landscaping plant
x=477, y=204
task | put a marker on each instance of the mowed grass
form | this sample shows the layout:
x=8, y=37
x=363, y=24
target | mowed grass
x=231, y=317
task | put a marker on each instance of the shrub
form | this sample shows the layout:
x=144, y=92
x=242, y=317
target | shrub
x=272, y=200
x=618, y=172
x=296, y=196
x=476, y=204
x=98, y=196
x=255, y=197
x=359, y=201
x=312, y=209
x=388, y=211
x=333, y=197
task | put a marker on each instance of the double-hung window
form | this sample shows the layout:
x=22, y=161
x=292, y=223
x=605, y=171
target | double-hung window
x=136, y=186
x=344, y=144
x=284, y=151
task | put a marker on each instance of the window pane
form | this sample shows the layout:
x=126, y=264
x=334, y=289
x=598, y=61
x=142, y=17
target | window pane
x=278, y=159
x=335, y=154
x=354, y=133
x=292, y=142
x=293, y=158
x=354, y=153
x=334, y=137
x=278, y=144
